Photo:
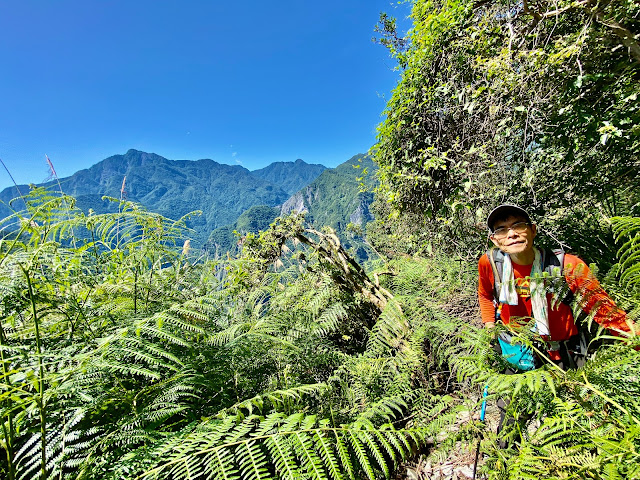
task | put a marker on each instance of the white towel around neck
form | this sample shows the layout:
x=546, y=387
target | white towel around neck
x=509, y=295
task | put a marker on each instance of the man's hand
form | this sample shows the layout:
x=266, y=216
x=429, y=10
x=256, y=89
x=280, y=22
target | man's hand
x=495, y=345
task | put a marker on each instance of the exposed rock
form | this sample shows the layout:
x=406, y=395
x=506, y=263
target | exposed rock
x=295, y=203
x=361, y=214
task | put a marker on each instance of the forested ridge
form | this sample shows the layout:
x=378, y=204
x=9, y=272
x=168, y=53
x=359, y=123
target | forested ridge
x=176, y=187
x=127, y=354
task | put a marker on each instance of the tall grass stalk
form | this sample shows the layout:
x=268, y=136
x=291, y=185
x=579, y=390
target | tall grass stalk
x=13, y=180
x=55, y=175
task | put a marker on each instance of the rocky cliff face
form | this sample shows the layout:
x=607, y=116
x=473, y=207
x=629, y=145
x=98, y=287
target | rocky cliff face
x=335, y=199
x=295, y=204
x=361, y=215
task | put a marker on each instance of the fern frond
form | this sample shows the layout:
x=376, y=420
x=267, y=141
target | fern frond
x=252, y=461
x=628, y=228
x=276, y=398
x=291, y=445
x=305, y=450
x=327, y=452
x=281, y=450
x=361, y=454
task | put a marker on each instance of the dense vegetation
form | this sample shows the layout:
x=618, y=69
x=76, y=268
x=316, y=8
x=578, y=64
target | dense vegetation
x=532, y=102
x=127, y=354
x=227, y=238
x=126, y=357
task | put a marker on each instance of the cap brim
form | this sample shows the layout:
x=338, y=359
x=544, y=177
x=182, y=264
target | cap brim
x=506, y=210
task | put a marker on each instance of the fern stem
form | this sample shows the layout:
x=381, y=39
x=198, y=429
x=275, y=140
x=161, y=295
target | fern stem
x=8, y=435
x=589, y=386
x=40, y=398
x=81, y=316
x=146, y=300
x=135, y=290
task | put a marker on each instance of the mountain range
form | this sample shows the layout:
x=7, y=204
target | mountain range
x=290, y=176
x=222, y=192
x=333, y=199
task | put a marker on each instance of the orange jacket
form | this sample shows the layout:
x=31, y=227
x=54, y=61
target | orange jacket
x=561, y=324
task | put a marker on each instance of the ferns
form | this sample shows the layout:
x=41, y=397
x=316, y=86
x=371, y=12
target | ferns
x=628, y=229
x=125, y=360
x=171, y=380
x=277, y=399
x=284, y=446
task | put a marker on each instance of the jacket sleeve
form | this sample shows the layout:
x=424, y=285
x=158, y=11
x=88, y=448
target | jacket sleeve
x=592, y=297
x=485, y=290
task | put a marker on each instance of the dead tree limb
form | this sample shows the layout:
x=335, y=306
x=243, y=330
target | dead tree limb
x=345, y=270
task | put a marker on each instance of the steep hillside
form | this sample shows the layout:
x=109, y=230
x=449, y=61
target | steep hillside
x=254, y=220
x=334, y=198
x=290, y=176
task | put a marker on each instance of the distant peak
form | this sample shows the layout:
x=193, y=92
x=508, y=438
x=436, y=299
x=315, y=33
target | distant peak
x=132, y=152
x=299, y=161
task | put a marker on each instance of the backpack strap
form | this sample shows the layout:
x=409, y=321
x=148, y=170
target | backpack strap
x=553, y=265
x=496, y=259
x=552, y=261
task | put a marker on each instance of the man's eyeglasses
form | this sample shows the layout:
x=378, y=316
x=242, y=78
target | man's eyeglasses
x=518, y=227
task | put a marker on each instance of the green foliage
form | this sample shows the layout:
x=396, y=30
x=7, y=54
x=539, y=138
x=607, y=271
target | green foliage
x=282, y=446
x=627, y=230
x=336, y=196
x=124, y=357
x=226, y=239
x=531, y=103
x=577, y=424
x=536, y=104
x=117, y=346
x=340, y=198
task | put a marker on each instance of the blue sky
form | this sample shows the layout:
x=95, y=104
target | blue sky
x=249, y=82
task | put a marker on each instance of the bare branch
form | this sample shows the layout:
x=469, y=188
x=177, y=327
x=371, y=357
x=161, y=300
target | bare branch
x=627, y=37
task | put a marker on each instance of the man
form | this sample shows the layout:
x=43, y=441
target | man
x=521, y=291
x=523, y=294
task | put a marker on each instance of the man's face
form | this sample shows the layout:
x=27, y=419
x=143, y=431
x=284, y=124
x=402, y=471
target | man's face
x=513, y=235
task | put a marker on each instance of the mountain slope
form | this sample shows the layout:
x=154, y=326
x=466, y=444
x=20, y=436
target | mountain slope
x=254, y=220
x=290, y=176
x=334, y=198
x=170, y=187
